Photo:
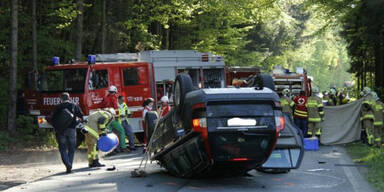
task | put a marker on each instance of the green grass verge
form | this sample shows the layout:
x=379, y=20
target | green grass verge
x=372, y=157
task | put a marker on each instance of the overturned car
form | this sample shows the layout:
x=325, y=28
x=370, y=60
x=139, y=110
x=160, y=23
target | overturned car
x=224, y=131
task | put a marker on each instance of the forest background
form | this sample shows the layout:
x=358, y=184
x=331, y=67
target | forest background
x=335, y=40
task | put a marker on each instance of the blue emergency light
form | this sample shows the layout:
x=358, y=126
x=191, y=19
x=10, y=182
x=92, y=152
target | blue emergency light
x=91, y=59
x=55, y=60
x=218, y=58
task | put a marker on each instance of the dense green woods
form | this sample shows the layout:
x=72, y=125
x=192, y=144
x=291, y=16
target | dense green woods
x=328, y=38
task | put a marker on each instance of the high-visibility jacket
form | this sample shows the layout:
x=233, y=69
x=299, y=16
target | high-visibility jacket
x=123, y=111
x=286, y=105
x=97, y=123
x=300, y=108
x=367, y=108
x=315, y=109
x=378, y=110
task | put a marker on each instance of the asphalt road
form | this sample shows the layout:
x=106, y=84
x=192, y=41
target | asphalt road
x=327, y=170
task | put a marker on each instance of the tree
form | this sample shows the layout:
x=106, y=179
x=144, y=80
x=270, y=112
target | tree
x=103, y=24
x=13, y=70
x=79, y=30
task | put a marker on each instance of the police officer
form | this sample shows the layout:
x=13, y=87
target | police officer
x=94, y=127
x=367, y=117
x=315, y=113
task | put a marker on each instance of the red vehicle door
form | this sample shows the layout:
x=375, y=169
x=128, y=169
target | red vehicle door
x=137, y=84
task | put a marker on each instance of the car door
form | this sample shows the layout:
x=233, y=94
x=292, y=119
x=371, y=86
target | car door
x=289, y=149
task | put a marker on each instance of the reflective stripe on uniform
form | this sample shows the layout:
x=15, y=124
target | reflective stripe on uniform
x=92, y=132
x=367, y=116
x=311, y=119
x=378, y=123
x=300, y=113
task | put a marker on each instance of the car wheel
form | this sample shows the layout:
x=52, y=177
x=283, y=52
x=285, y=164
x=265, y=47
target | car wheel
x=150, y=123
x=183, y=85
x=268, y=81
x=273, y=171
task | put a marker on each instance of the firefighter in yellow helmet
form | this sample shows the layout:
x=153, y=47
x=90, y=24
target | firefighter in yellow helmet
x=315, y=113
x=287, y=103
x=367, y=117
x=378, y=110
x=94, y=128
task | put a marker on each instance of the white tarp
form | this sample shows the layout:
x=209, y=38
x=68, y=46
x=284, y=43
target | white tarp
x=341, y=123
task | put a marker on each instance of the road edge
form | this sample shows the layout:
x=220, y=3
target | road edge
x=358, y=182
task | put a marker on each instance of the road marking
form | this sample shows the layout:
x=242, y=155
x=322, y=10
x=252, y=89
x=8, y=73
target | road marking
x=357, y=181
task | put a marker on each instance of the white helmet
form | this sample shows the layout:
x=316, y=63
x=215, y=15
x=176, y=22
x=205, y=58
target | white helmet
x=366, y=90
x=164, y=99
x=112, y=88
x=374, y=95
x=286, y=91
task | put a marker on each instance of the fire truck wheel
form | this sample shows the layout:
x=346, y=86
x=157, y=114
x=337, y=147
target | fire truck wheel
x=268, y=81
x=183, y=85
x=150, y=123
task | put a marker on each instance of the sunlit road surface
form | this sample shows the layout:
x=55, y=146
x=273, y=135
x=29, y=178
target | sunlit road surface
x=327, y=170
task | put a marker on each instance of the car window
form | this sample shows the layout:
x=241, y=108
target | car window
x=131, y=76
x=98, y=79
x=238, y=110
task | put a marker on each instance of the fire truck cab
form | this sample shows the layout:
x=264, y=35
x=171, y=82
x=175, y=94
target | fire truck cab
x=294, y=81
x=137, y=76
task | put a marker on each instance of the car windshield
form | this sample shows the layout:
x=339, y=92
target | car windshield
x=64, y=80
x=238, y=110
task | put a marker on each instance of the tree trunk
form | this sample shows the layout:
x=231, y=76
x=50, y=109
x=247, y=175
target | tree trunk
x=103, y=24
x=79, y=30
x=167, y=38
x=34, y=46
x=13, y=71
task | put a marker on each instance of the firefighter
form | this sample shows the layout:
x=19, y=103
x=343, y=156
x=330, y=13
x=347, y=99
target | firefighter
x=287, y=103
x=332, y=101
x=378, y=123
x=124, y=114
x=300, y=113
x=325, y=97
x=367, y=117
x=315, y=113
x=110, y=101
x=95, y=126
x=164, y=106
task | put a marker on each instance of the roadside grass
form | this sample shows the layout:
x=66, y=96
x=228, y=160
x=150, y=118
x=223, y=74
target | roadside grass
x=373, y=157
x=28, y=135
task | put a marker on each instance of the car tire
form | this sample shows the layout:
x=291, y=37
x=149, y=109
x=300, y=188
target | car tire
x=272, y=171
x=183, y=85
x=268, y=81
x=150, y=123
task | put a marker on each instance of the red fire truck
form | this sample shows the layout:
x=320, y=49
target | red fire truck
x=294, y=81
x=136, y=75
